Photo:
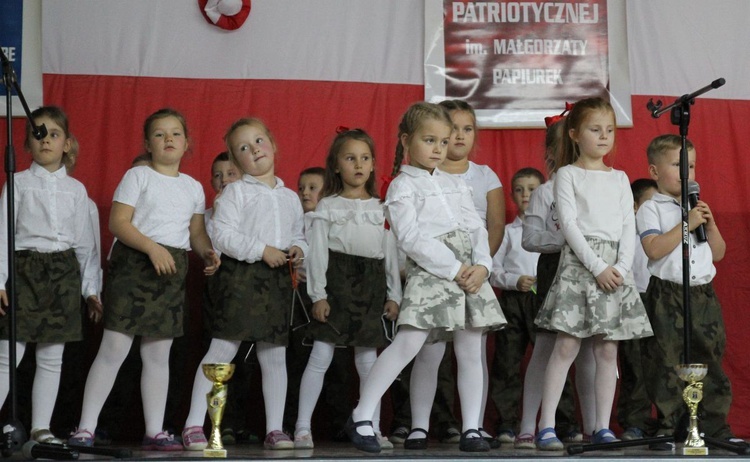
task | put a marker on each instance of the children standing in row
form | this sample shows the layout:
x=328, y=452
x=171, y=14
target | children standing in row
x=353, y=276
x=433, y=218
x=258, y=230
x=514, y=273
x=157, y=215
x=593, y=293
x=659, y=223
x=56, y=263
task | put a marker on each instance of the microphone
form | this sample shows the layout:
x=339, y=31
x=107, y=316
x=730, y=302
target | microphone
x=693, y=196
x=34, y=450
x=38, y=132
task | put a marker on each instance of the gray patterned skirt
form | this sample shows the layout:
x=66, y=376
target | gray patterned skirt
x=435, y=303
x=48, y=288
x=137, y=301
x=577, y=306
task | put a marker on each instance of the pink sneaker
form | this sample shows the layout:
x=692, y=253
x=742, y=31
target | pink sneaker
x=193, y=439
x=278, y=440
x=163, y=441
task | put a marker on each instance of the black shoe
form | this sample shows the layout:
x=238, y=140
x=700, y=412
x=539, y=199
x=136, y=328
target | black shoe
x=416, y=443
x=491, y=440
x=473, y=444
x=340, y=437
x=664, y=446
x=368, y=443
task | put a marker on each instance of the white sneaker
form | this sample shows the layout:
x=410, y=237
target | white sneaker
x=303, y=439
x=383, y=440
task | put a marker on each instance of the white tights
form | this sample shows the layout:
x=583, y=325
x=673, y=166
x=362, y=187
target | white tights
x=154, y=379
x=46, y=379
x=272, y=359
x=312, y=380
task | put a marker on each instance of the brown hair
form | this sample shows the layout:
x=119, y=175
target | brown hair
x=245, y=122
x=161, y=114
x=413, y=118
x=553, y=143
x=332, y=183
x=574, y=120
x=663, y=143
x=526, y=172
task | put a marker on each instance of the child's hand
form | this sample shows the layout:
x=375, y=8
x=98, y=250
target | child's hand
x=162, y=260
x=460, y=275
x=707, y=214
x=473, y=278
x=390, y=310
x=94, y=308
x=609, y=279
x=212, y=262
x=320, y=310
x=525, y=283
x=274, y=257
x=696, y=216
x=3, y=301
x=296, y=255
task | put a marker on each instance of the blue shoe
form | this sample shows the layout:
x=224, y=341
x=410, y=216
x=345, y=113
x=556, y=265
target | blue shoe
x=604, y=435
x=552, y=443
x=632, y=433
x=367, y=443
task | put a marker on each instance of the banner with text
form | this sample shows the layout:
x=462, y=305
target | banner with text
x=20, y=40
x=518, y=62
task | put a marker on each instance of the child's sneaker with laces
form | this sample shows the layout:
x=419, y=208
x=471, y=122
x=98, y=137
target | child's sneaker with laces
x=383, y=440
x=303, y=439
x=163, y=441
x=82, y=438
x=193, y=438
x=278, y=440
x=400, y=434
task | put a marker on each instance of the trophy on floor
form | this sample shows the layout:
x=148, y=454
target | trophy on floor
x=219, y=374
x=693, y=394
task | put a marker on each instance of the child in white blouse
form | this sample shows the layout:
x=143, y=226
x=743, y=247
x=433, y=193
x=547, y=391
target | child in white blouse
x=353, y=277
x=258, y=228
x=56, y=263
x=593, y=293
x=436, y=225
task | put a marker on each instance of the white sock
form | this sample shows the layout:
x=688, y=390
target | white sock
x=389, y=364
x=485, y=384
x=605, y=352
x=565, y=351
x=113, y=350
x=46, y=383
x=220, y=351
x=155, y=382
x=272, y=359
x=423, y=385
x=4, y=370
x=467, y=345
x=364, y=359
x=533, y=382
x=312, y=382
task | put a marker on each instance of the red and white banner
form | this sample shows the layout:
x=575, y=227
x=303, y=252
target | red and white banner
x=309, y=66
x=516, y=62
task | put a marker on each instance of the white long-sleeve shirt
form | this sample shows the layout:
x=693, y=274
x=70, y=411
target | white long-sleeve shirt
x=421, y=206
x=250, y=215
x=511, y=260
x=542, y=232
x=354, y=227
x=51, y=215
x=596, y=203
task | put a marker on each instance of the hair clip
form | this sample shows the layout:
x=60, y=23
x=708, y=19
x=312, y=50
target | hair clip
x=550, y=121
x=341, y=129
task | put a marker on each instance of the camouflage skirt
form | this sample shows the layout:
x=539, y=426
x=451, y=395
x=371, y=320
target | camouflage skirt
x=356, y=289
x=137, y=301
x=48, y=288
x=439, y=304
x=577, y=306
x=253, y=302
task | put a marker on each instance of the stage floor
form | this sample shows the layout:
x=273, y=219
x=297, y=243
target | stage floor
x=439, y=452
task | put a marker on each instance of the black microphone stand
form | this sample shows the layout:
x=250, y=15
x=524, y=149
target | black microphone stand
x=680, y=116
x=14, y=435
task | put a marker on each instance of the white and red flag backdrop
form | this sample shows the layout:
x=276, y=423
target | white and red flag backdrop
x=306, y=67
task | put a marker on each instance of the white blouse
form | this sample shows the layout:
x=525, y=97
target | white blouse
x=511, y=260
x=354, y=227
x=421, y=206
x=250, y=215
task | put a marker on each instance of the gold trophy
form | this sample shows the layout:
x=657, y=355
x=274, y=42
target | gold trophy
x=217, y=400
x=693, y=394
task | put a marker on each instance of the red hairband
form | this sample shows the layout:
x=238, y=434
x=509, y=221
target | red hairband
x=550, y=121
